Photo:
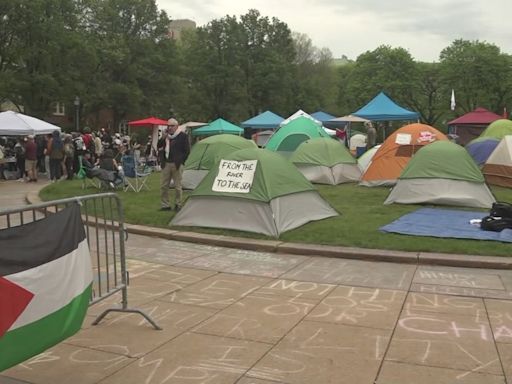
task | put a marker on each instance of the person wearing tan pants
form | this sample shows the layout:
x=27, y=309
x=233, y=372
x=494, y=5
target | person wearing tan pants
x=173, y=148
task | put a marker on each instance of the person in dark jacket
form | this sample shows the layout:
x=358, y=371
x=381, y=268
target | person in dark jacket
x=173, y=149
x=31, y=159
x=55, y=150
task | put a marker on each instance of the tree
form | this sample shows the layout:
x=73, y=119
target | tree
x=479, y=73
x=39, y=42
x=316, y=77
x=429, y=98
x=236, y=69
x=268, y=51
x=135, y=62
x=387, y=69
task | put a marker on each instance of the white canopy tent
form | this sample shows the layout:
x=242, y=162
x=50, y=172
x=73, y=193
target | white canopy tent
x=18, y=124
x=349, y=119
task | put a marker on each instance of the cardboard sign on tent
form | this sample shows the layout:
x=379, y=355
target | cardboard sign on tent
x=254, y=190
x=497, y=169
x=18, y=124
x=290, y=136
x=205, y=153
x=394, y=154
x=326, y=161
x=442, y=173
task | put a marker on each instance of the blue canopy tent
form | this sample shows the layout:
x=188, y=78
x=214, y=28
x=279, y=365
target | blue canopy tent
x=265, y=120
x=382, y=108
x=260, y=124
x=322, y=116
x=326, y=119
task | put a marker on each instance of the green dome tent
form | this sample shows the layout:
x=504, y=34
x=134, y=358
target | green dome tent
x=325, y=161
x=442, y=173
x=206, y=152
x=291, y=135
x=254, y=190
x=498, y=129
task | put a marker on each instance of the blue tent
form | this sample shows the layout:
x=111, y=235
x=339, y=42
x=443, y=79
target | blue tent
x=265, y=120
x=481, y=148
x=322, y=116
x=382, y=108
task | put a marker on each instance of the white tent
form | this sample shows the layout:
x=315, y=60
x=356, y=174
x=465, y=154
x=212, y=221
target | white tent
x=366, y=158
x=299, y=113
x=358, y=140
x=18, y=124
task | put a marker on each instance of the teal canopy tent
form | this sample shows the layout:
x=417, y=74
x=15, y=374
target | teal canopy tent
x=217, y=127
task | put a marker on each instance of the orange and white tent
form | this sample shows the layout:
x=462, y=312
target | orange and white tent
x=394, y=154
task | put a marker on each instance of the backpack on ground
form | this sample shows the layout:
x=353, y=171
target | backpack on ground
x=495, y=224
x=500, y=218
x=501, y=210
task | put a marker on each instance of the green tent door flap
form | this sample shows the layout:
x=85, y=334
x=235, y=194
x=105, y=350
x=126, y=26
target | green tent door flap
x=291, y=142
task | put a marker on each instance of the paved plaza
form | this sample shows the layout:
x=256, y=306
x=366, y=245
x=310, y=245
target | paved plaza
x=247, y=317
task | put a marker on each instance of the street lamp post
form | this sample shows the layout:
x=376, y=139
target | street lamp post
x=77, y=113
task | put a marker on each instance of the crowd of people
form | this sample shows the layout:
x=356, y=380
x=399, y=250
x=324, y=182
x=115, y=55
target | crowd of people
x=60, y=156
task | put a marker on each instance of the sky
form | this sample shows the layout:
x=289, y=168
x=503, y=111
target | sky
x=352, y=27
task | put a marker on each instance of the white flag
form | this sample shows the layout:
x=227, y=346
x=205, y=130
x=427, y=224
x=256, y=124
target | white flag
x=452, y=105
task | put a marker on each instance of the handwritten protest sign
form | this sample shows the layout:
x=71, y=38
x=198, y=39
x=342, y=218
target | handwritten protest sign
x=403, y=139
x=235, y=176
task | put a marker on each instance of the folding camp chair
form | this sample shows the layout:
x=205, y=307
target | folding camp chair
x=86, y=181
x=135, y=178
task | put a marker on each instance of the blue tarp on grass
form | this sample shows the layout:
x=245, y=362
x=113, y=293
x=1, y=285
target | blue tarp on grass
x=448, y=223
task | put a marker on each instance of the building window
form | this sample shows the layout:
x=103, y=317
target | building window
x=59, y=109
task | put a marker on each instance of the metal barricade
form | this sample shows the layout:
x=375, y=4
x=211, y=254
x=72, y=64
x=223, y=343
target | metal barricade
x=102, y=215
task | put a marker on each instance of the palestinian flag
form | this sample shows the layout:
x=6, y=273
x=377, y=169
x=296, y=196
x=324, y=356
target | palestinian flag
x=45, y=284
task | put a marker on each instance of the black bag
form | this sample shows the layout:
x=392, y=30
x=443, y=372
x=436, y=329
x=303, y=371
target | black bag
x=495, y=223
x=503, y=210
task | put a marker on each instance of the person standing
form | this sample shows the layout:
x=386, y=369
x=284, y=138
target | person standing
x=69, y=157
x=98, y=146
x=40, y=141
x=31, y=159
x=371, y=135
x=173, y=149
x=55, y=150
x=19, y=151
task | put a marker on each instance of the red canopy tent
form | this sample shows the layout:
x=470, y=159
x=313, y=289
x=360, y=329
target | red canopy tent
x=154, y=123
x=148, y=121
x=469, y=126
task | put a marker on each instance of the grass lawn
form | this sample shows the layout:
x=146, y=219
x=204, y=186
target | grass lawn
x=361, y=208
